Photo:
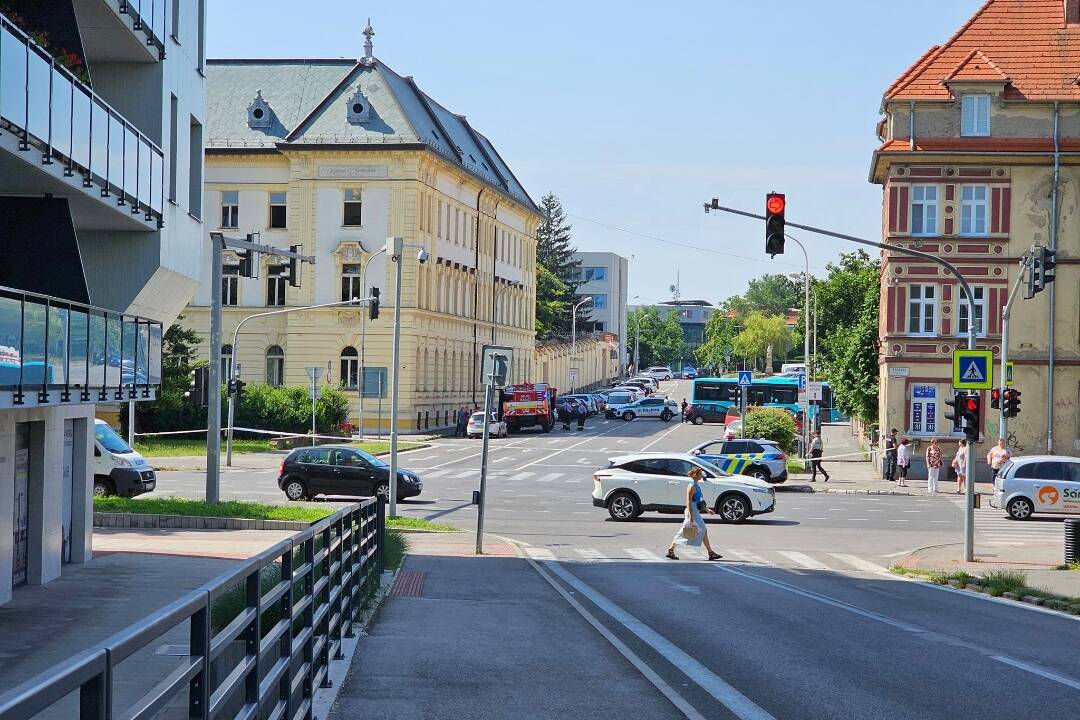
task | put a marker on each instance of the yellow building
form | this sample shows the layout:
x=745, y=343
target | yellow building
x=336, y=156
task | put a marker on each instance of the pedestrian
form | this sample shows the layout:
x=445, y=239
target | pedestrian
x=565, y=412
x=998, y=455
x=933, y=466
x=960, y=465
x=581, y=413
x=816, y=450
x=891, y=444
x=461, y=422
x=692, y=532
x=903, y=461
x=684, y=406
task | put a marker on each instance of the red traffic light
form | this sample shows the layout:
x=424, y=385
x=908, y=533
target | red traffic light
x=775, y=204
x=971, y=404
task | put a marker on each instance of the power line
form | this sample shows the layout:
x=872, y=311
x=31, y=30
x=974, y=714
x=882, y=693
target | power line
x=689, y=246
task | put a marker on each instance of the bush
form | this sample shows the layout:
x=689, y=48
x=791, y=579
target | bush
x=774, y=424
x=1003, y=581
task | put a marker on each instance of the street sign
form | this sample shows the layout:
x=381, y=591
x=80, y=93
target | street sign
x=573, y=376
x=1009, y=373
x=314, y=372
x=802, y=382
x=815, y=390
x=973, y=369
x=489, y=366
x=746, y=378
x=899, y=372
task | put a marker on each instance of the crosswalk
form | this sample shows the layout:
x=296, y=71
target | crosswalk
x=504, y=475
x=791, y=559
x=995, y=529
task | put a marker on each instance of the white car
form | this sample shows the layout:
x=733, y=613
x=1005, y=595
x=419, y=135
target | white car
x=650, y=407
x=475, y=427
x=648, y=380
x=656, y=482
x=619, y=398
x=659, y=372
x=1038, y=484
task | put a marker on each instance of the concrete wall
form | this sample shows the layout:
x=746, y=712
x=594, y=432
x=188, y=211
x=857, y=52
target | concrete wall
x=592, y=358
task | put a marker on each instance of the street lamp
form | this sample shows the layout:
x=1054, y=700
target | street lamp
x=363, y=338
x=573, y=329
x=806, y=344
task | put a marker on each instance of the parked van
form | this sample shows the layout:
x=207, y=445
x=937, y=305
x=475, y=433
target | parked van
x=1038, y=484
x=119, y=470
x=619, y=398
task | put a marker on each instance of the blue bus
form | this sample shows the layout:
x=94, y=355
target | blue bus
x=713, y=396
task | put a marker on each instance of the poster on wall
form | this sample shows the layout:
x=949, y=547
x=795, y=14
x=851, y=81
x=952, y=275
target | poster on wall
x=923, y=409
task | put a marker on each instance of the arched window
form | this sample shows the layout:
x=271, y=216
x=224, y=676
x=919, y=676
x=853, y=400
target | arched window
x=275, y=366
x=226, y=362
x=350, y=368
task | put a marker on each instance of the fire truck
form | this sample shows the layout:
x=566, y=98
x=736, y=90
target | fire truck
x=523, y=406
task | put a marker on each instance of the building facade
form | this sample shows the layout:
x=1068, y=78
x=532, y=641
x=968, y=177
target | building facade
x=693, y=317
x=337, y=156
x=603, y=276
x=100, y=246
x=978, y=162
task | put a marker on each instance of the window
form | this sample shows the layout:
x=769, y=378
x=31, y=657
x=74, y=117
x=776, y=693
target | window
x=980, y=311
x=375, y=382
x=275, y=366
x=350, y=368
x=351, y=285
x=319, y=456
x=975, y=115
x=230, y=209
x=973, y=210
x=353, y=217
x=593, y=273
x=599, y=302
x=226, y=361
x=924, y=209
x=230, y=282
x=195, y=168
x=921, y=302
x=679, y=467
x=275, y=286
x=174, y=141
x=278, y=212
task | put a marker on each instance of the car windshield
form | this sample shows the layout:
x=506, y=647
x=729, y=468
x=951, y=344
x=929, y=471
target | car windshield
x=109, y=440
x=712, y=468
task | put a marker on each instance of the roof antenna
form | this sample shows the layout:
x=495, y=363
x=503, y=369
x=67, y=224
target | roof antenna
x=368, y=59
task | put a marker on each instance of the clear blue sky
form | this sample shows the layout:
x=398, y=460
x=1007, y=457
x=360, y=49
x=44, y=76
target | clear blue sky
x=635, y=114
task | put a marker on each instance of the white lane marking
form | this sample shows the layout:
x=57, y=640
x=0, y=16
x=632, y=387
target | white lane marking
x=666, y=690
x=802, y=560
x=539, y=553
x=570, y=481
x=589, y=553
x=623, y=441
x=739, y=705
x=673, y=429
x=520, y=476
x=902, y=552
x=643, y=554
x=465, y=474
x=858, y=562
x=559, y=452
x=1048, y=674
x=549, y=477
x=436, y=473
x=552, y=442
x=747, y=556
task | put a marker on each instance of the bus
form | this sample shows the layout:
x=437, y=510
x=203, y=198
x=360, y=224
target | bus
x=712, y=397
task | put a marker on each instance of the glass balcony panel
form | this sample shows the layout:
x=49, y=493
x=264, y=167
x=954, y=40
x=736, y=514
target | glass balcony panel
x=155, y=354
x=58, y=345
x=37, y=78
x=33, y=358
x=98, y=333
x=10, y=340
x=80, y=123
x=145, y=168
x=131, y=164
x=142, y=356
x=157, y=181
x=12, y=78
x=116, y=154
x=114, y=331
x=160, y=13
x=99, y=141
x=77, y=365
x=130, y=349
x=61, y=113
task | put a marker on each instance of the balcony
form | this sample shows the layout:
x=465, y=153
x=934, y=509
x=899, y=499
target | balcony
x=82, y=148
x=123, y=30
x=56, y=352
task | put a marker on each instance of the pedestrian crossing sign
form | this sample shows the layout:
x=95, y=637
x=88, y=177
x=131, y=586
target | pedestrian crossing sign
x=973, y=369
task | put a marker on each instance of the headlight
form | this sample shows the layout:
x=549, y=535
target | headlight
x=763, y=490
x=121, y=462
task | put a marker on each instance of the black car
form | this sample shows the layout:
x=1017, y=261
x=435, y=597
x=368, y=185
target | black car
x=338, y=470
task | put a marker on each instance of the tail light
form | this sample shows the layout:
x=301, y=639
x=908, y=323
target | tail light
x=281, y=470
x=781, y=456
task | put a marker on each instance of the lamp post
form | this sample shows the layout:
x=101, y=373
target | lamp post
x=573, y=330
x=363, y=338
x=637, y=338
x=806, y=345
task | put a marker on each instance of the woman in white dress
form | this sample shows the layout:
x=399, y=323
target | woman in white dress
x=692, y=532
x=960, y=465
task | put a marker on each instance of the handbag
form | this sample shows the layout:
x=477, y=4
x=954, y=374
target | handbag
x=702, y=506
x=689, y=531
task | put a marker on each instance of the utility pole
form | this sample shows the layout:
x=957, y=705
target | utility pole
x=1003, y=422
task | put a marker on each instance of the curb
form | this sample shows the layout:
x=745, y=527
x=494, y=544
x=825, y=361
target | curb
x=191, y=522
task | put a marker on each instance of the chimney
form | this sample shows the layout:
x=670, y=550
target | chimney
x=1072, y=12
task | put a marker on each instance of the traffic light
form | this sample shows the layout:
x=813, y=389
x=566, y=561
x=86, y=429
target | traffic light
x=294, y=266
x=995, y=398
x=1048, y=264
x=971, y=412
x=236, y=387
x=956, y=414
x=1012, y=403
x=775, y=203
x=1043, y=263
x=373, y=306
x=198, y=390
x=248, y=266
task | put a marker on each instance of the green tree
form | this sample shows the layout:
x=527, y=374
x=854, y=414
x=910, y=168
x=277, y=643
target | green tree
x=641, y=324
x=667, y=343
x=720, y=334
x=551, y=302
x=853, y=371
x=760, y=335
x=775, y=424
x=840, y=298
x=773, y=295
x=171, y=410
x=555, y=251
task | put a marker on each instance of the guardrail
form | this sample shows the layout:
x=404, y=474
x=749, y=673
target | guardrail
x=323, y=572
x=149, y=17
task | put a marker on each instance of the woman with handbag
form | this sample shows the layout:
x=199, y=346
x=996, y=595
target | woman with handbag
x=693, y=532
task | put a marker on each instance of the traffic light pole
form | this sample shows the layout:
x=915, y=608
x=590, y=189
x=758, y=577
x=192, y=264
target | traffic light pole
x=969, y=498
x=1003, y=422
x=363, y=342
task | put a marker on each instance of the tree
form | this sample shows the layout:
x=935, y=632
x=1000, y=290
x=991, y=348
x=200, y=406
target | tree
x=661, y=340
x=667, y=343
x=555, y=252
x=171, y=410
x=840, y=298
x=774, y=424
x=720, y=333
x=550, y=301
x=854, y=370
x=773, y=295
x=760, y=336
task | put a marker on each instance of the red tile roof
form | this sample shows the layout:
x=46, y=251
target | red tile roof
x=1025, y=43
x=981, y=144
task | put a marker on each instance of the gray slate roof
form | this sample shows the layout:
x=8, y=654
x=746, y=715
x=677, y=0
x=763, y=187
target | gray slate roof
x=309, y=100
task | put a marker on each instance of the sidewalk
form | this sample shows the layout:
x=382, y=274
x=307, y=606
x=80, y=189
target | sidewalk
x=465, y=637
x=1036, y=560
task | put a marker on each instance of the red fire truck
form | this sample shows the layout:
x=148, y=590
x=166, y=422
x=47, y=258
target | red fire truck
x=528, y=405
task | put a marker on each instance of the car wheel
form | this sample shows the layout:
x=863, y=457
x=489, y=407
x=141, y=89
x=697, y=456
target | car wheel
x=733, y=508
x=698, y=420
x=666, y=415
x=758, y=472
x=628, y=416
x=295, y=489
x=382, y=491
x=104, y=488
x=1020, y=508
x=623, y=507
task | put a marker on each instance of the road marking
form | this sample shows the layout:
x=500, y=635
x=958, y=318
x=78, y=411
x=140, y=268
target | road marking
x=1048, y=674
x=539, y=553
x=549, y=477
x=739, y=705
x=673, y=429
x=464, y=474
x=570, y=481
x=623, y=441
x=436, y=473
x=589, y=553
x=558, y=452
x=747, y=556
x=859, y=563
x=849, y=519
x=892, y=520
x=643, y=554
x=520, y=476
x=802, y=560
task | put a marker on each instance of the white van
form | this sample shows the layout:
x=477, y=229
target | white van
x=619, y=398
x=1038, y=484
x=793, y=368
x=119, y=470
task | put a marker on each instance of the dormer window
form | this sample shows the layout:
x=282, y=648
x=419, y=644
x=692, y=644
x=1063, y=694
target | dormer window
x=359, y=109
x=975, y=115
x=260, y=114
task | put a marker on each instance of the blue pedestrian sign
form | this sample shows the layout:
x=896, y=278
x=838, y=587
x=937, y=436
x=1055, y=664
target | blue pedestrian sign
x=973, y=369
x=746, y=378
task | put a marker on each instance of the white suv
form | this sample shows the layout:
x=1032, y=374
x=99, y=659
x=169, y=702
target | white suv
x=659, y=372
x=633, y=484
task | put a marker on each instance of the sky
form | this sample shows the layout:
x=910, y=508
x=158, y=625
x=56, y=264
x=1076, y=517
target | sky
x=635, y=114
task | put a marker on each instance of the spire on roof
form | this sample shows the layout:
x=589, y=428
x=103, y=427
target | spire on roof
x=368, y=58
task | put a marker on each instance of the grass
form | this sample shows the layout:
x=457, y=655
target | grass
x=796, y=466
x=181, y=447
x=1075, y=567
x=411, y=523
x=995, y=583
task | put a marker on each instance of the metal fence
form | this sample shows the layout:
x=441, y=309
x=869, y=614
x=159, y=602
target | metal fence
x=321, y=576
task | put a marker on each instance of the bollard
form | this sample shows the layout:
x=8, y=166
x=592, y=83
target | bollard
x=1072, y=541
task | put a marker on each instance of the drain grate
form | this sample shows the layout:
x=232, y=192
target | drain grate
x=409, y=583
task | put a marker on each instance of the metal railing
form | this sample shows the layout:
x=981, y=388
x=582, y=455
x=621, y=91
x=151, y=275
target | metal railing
x=148, y=16
x=323, y=573
x=51, y=345
x=50, y=109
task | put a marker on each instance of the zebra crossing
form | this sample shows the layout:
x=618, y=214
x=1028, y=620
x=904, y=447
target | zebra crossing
x=995, y=529
x=790, y=559
x=503, y=475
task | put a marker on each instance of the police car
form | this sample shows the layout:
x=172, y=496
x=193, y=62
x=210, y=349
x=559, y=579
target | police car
x=759, y=458
x=651, y=407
